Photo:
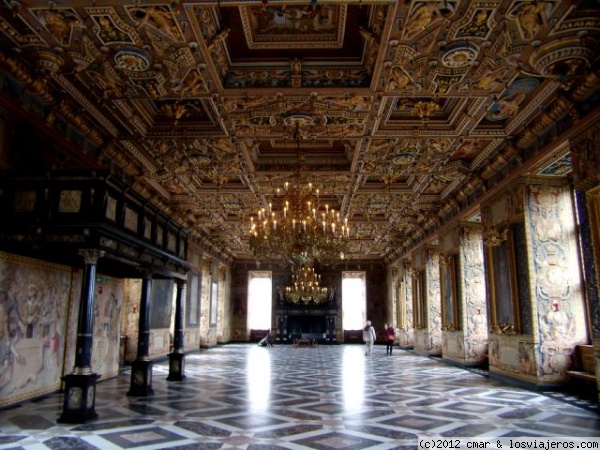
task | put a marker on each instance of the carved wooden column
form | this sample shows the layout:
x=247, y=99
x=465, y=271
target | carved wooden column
x=141, y=367
x=80, y=386
x=177, y=356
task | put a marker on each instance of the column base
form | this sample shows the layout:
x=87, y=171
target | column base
x=176, y=367
x=141, y=379
x=79, y=404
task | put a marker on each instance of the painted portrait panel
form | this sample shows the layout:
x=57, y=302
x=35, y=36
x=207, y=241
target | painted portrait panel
x=449, y=297
x=214, y=297
x=503, y=298
x=161, y=303
x=419, y=299
x=193, y=301
x=402, y=306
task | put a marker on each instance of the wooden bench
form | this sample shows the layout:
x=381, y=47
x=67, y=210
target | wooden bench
x=584, y=363
x=305, y=342
x=353, y=336
x=582, y=376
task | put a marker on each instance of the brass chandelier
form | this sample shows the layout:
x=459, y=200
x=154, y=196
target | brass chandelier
x=306, y=287
x=298, y=227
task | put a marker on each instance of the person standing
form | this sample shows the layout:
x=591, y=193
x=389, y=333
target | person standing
x=369, y=338
x=390, y=337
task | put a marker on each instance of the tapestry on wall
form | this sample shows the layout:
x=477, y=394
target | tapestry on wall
x=161, y=303
x=34, y=298
x=107, y=315
x=108, y=300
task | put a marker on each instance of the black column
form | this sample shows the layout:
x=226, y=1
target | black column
x=331, y=337
x=281, y=329
x=177, y=356
x=79, y=400
x=141, y=367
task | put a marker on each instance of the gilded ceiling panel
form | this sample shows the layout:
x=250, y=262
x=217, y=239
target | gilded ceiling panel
x=401, y=113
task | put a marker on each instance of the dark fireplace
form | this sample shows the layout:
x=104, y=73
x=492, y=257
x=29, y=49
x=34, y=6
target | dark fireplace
x=306, y=322
x=307, y=325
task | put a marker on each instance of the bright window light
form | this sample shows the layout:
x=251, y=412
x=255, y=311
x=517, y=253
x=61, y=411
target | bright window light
x=354, y=300
x=259, y=300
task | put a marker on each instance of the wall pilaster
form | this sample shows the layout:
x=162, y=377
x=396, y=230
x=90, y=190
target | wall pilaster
x=428, y=322
x=464, y=301
x=534, y=283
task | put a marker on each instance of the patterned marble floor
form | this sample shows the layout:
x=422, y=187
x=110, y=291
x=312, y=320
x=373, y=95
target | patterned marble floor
x=330, y=397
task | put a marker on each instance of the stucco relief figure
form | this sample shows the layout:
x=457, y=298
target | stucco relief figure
x=479, y=25
x=219, y=37
x=477, y=322
x=296, y=66
x=476, y=288
x=422, y=16
x=531, y=17
x=162, y=19
x=437, y=322
x=507, y=106
x=547, y=222
x=358, y=103
x=397, y=80
x=553, y=281
x=192, y=85
x=59, y=23
x=492, y=79
x=556, y=323
x=174, y=111
x=367, y=35
x=111, y=87
x=108, y=32
x=207, y=24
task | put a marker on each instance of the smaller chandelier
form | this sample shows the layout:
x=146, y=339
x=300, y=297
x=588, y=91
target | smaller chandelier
x=306, y=287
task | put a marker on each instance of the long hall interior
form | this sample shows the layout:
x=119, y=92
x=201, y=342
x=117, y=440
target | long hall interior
x=242, y=396
x=181, y=180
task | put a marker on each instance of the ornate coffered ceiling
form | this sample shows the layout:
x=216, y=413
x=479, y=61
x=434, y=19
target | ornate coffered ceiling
x=402, y=113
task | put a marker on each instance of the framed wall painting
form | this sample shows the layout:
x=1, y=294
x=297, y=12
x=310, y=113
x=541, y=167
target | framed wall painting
x=214, y=301
x=193, y=301
x=162, y=296
x=448, y=292
x=504, y=300
x=418, y=299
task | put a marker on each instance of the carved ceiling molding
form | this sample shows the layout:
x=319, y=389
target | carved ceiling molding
x=432, y=105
